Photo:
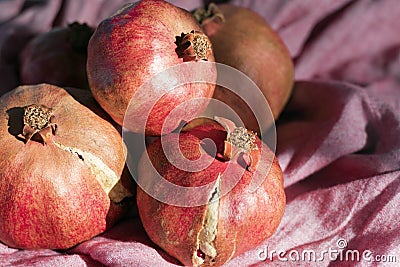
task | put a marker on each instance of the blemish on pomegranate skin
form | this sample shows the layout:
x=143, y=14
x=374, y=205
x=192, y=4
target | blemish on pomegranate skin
x=80, y=156
x=201, y=254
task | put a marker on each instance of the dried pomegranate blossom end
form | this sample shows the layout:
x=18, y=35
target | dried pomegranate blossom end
x=209, y=13
x=240, y=141
x=39, y=120
x=193, y=46
x=242, y=138
x=79, y=36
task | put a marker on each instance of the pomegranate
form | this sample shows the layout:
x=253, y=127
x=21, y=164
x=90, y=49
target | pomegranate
x=139, y=41
x=234, y=217
x=57, y=57
x=242, y=39
x=60, y=173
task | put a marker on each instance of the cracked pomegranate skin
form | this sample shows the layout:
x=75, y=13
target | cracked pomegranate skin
x=245, y=218
x=131, y=47
x=49, y=195
x=246, y=42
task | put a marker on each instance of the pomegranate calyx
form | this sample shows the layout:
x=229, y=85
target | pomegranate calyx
x=209, y=13
x=79, y=36
x=38, y=121
x=240, y=141
x=193, y=46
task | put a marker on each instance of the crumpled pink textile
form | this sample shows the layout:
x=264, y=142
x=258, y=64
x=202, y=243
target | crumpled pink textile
x=338, y=140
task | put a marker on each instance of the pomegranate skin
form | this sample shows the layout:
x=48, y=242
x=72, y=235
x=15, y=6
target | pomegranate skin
x=246, y=218
x=246, y=42
x=131, y=47
x=57, y=57
x=62, y=192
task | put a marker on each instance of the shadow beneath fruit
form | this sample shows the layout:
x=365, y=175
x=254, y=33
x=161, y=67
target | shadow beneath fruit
x=132, y=231
x=16, y=122
x=129, y=240
x=85, y=97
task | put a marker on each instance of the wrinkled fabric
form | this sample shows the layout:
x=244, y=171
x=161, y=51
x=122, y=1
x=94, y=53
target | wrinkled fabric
x=337, y=139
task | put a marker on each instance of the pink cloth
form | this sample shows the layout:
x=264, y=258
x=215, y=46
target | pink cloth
x=338, y=138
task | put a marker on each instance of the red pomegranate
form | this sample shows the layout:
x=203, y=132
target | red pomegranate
x=139, y=41
x=60, y=173
x=242, y=39
x=57, y=57
x=234, y=218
